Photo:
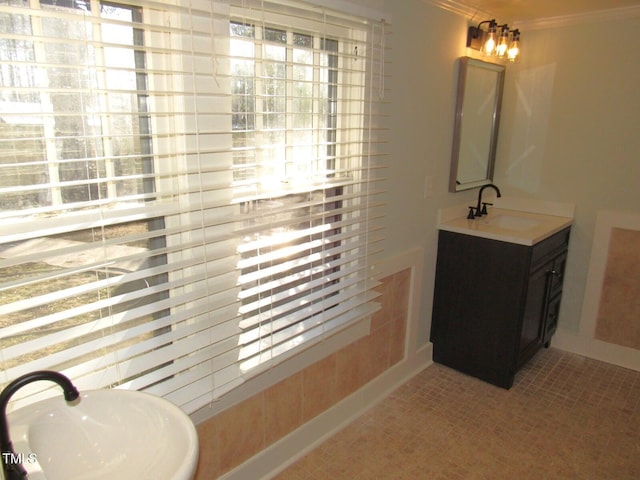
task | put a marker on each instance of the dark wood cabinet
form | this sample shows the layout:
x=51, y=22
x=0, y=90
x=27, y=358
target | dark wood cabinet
x=496, y=303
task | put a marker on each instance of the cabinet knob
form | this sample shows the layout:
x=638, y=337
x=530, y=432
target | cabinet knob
x=556, y=274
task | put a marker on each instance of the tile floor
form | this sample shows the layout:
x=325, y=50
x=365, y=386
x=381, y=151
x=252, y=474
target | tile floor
x=566, y=417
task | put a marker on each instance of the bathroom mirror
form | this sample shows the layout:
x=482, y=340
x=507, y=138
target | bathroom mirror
x=476, y=124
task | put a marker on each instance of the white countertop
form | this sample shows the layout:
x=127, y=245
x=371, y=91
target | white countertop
x=525, y=227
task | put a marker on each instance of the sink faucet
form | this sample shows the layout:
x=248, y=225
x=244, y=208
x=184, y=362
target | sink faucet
x=11, y=466
x=481, y=207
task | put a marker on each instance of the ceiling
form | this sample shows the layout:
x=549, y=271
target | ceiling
x=532, y=10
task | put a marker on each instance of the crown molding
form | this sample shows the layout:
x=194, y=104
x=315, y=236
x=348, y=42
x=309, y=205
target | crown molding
x=459, y=8
x=595, y=16
x=473, y=12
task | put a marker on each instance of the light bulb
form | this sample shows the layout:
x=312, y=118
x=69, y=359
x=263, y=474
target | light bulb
x=501, y=49
x=514, y=47
x=489, y=44
x=513, y=52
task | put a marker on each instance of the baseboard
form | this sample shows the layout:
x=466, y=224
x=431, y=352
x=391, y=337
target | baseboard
x=590, y=347
x=286, y=451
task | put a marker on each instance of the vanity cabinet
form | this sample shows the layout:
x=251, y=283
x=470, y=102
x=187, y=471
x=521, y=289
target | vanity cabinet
x=496, y=303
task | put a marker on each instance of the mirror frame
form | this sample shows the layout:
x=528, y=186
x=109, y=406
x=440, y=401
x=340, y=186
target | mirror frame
x=463, y=78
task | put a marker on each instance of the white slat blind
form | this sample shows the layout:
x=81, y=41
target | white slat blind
x=190, y=191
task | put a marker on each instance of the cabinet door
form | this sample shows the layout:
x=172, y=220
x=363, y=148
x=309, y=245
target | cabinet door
x=556, y=276
x=551, y=320
x=532, y=332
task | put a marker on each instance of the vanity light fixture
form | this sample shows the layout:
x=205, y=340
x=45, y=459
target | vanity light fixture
x=495, y=41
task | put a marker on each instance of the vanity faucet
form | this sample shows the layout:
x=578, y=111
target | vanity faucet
x=13, y=470
x=481, y=207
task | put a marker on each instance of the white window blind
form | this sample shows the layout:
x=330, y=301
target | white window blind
x=191, y=192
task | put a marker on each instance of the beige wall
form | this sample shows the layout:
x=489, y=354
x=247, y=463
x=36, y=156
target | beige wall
x=425, y=44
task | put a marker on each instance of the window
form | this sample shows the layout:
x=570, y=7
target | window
x=293, y=95
x=188, y=193
x=76, y=141
x=291, y=104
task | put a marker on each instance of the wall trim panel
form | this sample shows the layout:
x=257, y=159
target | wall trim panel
x=294, y=446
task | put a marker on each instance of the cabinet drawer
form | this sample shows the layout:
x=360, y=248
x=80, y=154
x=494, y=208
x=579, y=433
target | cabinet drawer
x=550, y=246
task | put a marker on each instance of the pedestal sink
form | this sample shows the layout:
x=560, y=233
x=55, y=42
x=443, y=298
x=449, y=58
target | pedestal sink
x=105, y=434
